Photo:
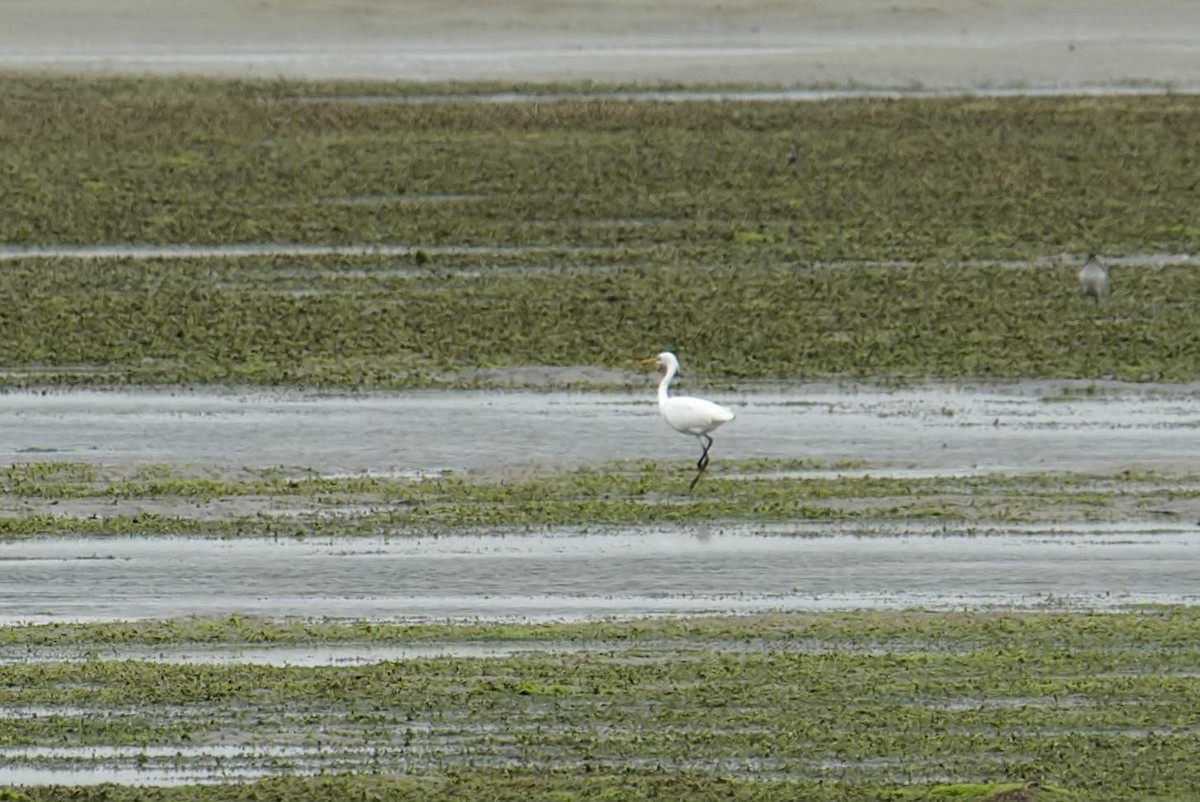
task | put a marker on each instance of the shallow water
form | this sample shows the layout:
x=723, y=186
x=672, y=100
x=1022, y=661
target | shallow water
x=244, y=250
x=794, y=95
x=176, y=764
x=308, y=654
x=566, y=575
x=127, y=766
x=1022, y=427
x=9, y=253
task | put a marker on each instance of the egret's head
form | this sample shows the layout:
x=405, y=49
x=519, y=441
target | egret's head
x=665, y=360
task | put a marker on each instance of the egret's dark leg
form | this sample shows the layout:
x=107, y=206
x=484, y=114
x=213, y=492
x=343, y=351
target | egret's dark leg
x=705, y=443
x=702, y=463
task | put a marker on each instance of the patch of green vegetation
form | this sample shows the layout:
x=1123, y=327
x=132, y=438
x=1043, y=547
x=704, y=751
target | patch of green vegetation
x=520, y=785
x=1153, y=628
x=36, y=478
x=1073, y=393
x=194, y=160
x=634, y=226
x=183, y=322
x=84, y=500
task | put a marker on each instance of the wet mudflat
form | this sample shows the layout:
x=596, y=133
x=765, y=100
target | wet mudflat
x=993, y=696
x=1037, y=527
x=1022, y=427
x=557, y=576
x=155, y=659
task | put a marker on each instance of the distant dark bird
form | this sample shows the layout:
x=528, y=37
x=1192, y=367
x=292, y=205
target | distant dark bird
x=1026, y=793
x=1093, y=278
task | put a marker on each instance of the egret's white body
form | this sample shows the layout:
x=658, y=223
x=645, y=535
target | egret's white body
x=694, y=416
x=1093, y=278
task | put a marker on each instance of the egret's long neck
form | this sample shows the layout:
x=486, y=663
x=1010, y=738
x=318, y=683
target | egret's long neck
x=665, y=384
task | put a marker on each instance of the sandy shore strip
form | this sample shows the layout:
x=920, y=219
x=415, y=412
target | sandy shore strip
x=908, y=44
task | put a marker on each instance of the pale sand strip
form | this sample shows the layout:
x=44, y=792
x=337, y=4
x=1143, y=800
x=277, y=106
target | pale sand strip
x=936, y=44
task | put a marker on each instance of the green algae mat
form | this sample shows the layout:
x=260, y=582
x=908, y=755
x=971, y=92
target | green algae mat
x=929, y=238
x=879, y=705
x=42, y=499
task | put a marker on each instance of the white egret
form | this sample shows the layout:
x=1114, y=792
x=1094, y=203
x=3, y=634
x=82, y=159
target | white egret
x=694, y=416
x=1093, y=278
